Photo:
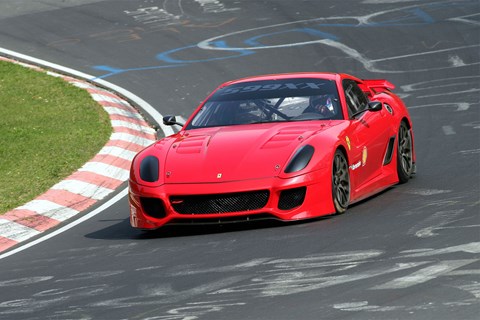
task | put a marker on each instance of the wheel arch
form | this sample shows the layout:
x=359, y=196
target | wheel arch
x=339, y=209
x=408, y=123
x=343, y=149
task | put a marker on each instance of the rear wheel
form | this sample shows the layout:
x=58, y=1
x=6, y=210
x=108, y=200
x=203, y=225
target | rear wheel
x=405, y=165
x=340, y=182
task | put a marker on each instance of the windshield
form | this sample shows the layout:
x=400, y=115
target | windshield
x=270, y=101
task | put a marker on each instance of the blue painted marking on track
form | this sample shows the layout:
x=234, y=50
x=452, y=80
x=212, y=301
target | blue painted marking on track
x=412, y=17
x=173, y=62
x=116, y=71
x=166, y=56
x=423, y=15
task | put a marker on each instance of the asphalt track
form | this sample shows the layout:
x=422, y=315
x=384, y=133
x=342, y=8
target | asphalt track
x=412, y=252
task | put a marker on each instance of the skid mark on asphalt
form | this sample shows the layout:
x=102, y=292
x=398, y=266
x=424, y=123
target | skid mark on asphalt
x=155, y=17
x=263, y=278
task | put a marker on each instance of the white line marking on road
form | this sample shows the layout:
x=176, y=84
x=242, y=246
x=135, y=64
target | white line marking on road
x=47, y=236
x=463, y=19
x=461, y=106
x=449, y=93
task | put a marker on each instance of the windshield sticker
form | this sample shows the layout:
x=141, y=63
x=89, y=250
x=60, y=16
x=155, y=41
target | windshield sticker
x=271, y=87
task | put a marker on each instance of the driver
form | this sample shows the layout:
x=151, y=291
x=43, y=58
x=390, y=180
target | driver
x=322, y=104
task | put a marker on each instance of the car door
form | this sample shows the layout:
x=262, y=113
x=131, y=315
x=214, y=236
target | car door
x=368, y=135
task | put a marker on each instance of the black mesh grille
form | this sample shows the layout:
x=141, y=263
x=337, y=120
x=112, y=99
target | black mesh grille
x=291, y=198
x=220, y=203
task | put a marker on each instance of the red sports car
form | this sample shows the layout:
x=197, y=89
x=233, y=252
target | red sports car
x=285, y=146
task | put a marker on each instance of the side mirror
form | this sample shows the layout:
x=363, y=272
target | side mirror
x=171, y=120
x=375, y=106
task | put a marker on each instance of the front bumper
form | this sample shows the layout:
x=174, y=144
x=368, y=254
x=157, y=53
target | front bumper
x=153, y=207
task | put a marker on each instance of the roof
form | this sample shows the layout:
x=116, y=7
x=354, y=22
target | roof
x=321, y=75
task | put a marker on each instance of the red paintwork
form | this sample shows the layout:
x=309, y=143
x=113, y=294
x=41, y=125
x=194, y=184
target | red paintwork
x=253, y=157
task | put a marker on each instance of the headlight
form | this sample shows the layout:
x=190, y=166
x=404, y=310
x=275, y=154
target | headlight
x=149, y=169
x=300, y=159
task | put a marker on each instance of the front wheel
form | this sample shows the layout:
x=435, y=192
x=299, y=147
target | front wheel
x=405, y=165
x=340, y=182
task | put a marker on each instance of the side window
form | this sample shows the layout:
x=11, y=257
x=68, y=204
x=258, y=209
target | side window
x=356, y=99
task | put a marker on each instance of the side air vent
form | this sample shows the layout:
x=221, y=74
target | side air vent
x=389, y=108
x=153, y=207
x=389, y=153
x=291, y=198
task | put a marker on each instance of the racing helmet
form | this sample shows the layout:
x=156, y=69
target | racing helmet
x=322, y=104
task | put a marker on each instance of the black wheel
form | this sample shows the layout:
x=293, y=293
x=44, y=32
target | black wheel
x=405, y=165
x=340, y=182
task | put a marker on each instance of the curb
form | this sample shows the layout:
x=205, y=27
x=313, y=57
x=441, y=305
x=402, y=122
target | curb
x=94, y=181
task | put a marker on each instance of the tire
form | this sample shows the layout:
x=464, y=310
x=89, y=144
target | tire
x=405, y=165
x=340, y=182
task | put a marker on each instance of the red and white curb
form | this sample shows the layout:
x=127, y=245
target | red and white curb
x=93, y=181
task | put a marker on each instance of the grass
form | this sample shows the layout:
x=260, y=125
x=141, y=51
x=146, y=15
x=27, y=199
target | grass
x=48, y=129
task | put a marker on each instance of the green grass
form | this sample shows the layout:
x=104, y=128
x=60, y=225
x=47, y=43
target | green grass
x=48, y=129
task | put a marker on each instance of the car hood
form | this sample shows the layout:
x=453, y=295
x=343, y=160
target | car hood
x=235, y=153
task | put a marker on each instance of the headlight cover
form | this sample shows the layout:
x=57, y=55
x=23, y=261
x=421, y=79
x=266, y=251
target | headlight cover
x=149, y=169
x=300, y=159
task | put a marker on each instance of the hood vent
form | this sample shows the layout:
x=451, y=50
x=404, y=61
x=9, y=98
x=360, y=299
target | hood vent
x=192, y=145
x=284, y=137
